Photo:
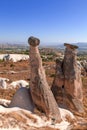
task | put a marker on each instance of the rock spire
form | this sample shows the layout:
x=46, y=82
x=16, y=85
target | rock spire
x=67, y=84
x=41, y=93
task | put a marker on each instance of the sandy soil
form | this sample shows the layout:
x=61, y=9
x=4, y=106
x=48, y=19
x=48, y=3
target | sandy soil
x=21, y=70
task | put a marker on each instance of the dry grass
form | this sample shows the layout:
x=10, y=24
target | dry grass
x=8, y=94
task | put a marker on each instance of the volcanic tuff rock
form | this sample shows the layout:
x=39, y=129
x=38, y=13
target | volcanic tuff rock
x=41, y=94
x=22, y=99
x=67, y=84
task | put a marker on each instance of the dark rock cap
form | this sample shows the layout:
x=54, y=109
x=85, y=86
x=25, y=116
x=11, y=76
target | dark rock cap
x=33, y=41
x=70, y=46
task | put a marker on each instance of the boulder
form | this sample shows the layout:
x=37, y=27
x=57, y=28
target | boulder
x=22, y=99
x=3, y=83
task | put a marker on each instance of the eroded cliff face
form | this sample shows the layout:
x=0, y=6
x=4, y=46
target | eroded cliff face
x=67, y=85
x=41, y=93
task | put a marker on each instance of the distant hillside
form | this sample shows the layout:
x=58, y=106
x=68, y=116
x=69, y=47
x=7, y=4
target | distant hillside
x=10, y=45
x=82, y=45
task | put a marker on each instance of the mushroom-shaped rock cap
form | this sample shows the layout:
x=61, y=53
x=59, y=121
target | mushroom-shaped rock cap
x=33, y=41
x=70, y=46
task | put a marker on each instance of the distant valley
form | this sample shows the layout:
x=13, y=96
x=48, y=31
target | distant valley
x=24, y=46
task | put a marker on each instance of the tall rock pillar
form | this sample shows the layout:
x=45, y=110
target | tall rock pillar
x=72, y=75
x=41, y=94
x=67, y=84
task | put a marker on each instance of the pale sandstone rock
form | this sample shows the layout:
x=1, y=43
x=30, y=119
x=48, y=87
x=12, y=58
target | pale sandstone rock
x=41, y=94
x=19, y=83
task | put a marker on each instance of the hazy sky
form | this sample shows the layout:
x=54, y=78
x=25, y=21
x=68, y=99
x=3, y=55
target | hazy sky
x=50, y=20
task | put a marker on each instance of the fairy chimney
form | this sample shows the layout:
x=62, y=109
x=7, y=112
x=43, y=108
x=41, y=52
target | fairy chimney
x=72, y=74
x=41, y=94
x=67, y=84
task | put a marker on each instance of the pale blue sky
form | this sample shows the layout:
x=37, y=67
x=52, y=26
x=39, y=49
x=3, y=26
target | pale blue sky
x=49, y=20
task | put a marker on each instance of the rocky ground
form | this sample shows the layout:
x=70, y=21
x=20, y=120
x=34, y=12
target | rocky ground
x=21, y=70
